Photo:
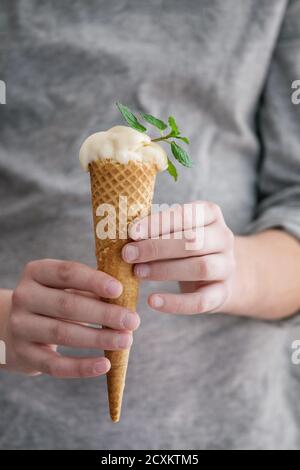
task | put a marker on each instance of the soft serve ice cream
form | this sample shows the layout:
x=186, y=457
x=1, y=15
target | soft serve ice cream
x=122, y=144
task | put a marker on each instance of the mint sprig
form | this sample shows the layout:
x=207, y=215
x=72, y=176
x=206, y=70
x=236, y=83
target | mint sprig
x=173, y=132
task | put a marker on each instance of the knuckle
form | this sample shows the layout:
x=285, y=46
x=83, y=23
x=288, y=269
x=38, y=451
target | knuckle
x=29, y=268
x=104, y=340
x=169, y=215
x=107, y=316
x=114, y=340
x=46, y=366
x=214, y=208
x=80, y=370
x=65, y=304
x=113, y=317
x=19, y=296
x=51, y=368
x=198, y=211
x=218, y=211
x=177, y=216
x=204, y=268
x=118, y=319
x=60, y=334
x=95, y=280
x=213, y=268
x=161, y=270
x=64, y=271
x=151, y=249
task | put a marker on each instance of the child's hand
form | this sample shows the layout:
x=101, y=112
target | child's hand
x=45, y=315
x=204, y=272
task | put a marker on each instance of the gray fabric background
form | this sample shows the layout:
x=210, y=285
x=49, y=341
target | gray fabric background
x=224, y=68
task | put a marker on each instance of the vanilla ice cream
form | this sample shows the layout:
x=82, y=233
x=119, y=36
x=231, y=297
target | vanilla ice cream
x=122, y=144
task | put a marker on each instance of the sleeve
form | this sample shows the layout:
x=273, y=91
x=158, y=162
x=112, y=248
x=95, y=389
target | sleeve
x=279, y=131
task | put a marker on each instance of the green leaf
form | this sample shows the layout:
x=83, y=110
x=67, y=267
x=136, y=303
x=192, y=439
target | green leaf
x=130, y=117
x=172, y=170
x=161, y=125
x=184, y=139
x=181, y=155
x=173, y=125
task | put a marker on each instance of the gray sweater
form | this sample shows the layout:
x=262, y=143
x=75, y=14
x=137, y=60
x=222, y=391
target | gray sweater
x=225, y=69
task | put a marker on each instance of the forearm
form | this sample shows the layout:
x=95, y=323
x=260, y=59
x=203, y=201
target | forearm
x=5, y=304
x=266, y=283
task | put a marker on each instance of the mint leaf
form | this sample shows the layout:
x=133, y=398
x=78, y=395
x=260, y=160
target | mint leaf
x=130, y=117
x=173, y=125
x=181, y=155
x=161, y=125
x=172, y=170
x=184, y=139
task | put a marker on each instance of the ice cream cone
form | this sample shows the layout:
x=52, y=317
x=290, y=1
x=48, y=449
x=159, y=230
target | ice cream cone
x=115, y=183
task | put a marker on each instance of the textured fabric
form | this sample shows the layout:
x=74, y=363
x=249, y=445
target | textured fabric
x=224, y=68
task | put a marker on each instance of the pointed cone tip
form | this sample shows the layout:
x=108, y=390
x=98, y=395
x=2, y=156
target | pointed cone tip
x=115, y=419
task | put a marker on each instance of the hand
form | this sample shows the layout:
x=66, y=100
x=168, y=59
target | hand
x=45, y=315
x=204, y=272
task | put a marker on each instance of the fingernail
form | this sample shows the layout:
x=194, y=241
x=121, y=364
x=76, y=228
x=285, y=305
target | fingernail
x=123, y=341
x=131, y=252
x=142, y=270
x=100, y=367
x=157, y=301
x=113, y=288
x=130, y=321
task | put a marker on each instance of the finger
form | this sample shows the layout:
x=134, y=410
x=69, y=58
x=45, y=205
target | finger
x=213, y=239
x=45, y=330
x=15, y=361
x=84, y=293
x=77, y=307
x=206, y=300
x=49, y=362
x=174, y=219
x=68, y=274
x=203, y=268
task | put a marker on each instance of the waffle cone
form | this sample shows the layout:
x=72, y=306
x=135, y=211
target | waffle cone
x=112, y=183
